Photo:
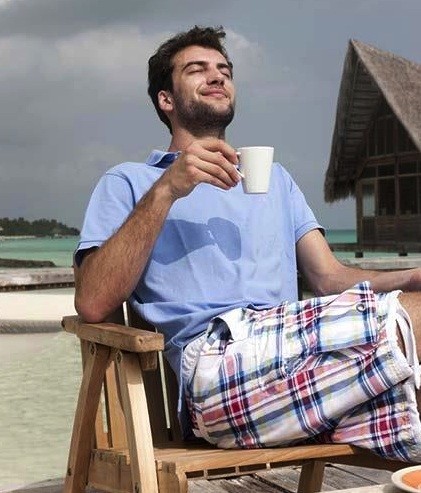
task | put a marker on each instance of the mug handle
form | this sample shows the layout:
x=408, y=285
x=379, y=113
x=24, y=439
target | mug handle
x=238, y=171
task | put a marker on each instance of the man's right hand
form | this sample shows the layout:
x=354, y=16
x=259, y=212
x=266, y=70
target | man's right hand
x=210, y=161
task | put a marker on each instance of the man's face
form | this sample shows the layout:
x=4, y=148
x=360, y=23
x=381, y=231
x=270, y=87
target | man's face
x=203, y=92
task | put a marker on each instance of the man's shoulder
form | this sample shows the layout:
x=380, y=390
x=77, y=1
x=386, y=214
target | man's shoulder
x=131, y=170
x=280, y=168
x=282, y=173
x=126, y=167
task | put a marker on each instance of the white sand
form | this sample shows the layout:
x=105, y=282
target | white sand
x=31, y=311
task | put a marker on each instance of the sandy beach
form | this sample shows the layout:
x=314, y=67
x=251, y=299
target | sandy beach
x=34, y=311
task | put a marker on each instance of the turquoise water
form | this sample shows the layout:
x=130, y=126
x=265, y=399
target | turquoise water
x=58, y=250
x=341, y=235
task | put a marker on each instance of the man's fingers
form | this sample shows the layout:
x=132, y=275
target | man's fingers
x=218, y=178
x=216, y=162
x=219, y=168
x=210, y=161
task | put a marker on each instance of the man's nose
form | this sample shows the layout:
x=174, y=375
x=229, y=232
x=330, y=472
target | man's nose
x=215, y=77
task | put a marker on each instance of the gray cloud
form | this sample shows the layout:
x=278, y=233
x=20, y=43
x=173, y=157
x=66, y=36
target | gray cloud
x=60, y=17
x=63, y=18
x=73, y=87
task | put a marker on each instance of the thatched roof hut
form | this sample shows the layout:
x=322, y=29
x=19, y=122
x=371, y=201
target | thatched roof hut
x=369, y=77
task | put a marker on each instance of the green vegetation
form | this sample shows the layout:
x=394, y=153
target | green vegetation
x=39, y=227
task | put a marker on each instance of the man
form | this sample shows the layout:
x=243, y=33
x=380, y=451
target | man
x=215, y=270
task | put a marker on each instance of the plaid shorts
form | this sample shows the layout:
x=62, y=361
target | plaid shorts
x=321, y=370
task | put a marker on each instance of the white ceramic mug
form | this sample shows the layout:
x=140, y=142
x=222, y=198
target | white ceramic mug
x=255, y=167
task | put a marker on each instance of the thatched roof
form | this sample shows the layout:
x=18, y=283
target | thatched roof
x=368, y=75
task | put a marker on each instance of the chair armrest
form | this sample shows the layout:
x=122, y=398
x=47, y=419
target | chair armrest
x=114, y=335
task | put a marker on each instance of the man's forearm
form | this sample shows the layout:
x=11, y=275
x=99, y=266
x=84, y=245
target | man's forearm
x=108, y=276
x=325, y=274
x=381, y=281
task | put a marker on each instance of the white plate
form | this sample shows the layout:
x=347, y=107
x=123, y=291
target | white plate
x=397, y=479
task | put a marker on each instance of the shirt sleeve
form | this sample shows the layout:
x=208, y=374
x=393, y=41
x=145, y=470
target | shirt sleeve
x=303, y=218
x=110, y=204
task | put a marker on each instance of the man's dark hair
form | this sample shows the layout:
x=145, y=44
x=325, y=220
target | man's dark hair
x=161, y=66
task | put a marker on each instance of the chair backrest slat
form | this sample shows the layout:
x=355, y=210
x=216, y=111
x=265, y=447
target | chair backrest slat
x=171, y=385
x=161, y=392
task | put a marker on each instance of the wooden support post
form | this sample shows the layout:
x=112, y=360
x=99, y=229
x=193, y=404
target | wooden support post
x=139, y=437
x=84, y=423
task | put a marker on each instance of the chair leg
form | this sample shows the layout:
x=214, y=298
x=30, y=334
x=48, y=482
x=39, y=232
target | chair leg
x=139, y=437
x=311, y=477
x=174, y=481
x=84, y=423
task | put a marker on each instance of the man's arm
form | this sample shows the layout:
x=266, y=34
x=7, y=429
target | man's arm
x=109, y=274
x=326, y=275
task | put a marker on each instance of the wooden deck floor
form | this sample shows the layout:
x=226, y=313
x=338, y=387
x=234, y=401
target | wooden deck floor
x=283, y=480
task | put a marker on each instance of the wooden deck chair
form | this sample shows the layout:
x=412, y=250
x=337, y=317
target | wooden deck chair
x=126, y=436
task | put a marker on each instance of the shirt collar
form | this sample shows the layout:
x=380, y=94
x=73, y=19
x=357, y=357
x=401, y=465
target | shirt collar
x=161, y=159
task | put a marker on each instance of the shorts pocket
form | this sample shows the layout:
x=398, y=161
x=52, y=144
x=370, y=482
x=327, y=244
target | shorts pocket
x=333, y=327
x=348, y=320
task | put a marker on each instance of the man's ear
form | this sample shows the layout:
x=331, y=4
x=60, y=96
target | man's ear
x=165, y=100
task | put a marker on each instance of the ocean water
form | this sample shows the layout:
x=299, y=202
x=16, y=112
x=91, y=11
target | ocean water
x=341, y=235
x=58, y=250
x=39, y=384
x=40, y=378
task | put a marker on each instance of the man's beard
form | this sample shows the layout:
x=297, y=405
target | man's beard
x=202, y=119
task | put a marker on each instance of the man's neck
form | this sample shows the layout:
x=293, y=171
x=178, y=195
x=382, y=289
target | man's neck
x=182, y=138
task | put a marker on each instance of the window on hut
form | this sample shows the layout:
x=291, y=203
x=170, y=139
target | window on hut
x=408, y=195
x=368, y=200
x=408, y=168
x=386, y=170
x=386, y=198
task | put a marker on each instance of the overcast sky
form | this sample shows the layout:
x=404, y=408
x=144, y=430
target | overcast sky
x=73, y=94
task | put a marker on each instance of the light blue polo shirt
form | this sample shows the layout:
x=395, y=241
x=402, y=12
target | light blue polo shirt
x=217, y=250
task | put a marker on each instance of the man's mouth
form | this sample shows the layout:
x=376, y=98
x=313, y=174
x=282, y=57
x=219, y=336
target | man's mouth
x=215, y=94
